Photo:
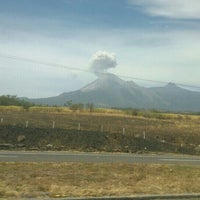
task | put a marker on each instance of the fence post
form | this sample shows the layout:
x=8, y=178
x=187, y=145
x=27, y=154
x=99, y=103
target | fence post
x=123, y=131
x=79, y=126
x=53, y=125
x=1, y=120
x=144, y=135
x=27, y=124
x=102, y=128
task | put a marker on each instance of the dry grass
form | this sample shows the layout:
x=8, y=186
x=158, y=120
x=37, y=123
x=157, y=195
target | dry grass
x=63, y=110
x=81, y=179
x=182, y=129
x=164, y=132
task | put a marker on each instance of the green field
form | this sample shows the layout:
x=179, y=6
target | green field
x=100, y=130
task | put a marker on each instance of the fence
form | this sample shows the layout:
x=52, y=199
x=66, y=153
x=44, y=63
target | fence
x=90, y=124
x=171, y=130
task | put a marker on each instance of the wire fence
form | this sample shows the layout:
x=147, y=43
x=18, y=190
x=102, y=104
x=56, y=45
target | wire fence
x=172, y=130
x=120, y=127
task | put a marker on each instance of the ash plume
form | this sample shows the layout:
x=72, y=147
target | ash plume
x=101, y=61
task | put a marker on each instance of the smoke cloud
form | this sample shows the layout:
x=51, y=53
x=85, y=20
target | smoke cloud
x=101, y=61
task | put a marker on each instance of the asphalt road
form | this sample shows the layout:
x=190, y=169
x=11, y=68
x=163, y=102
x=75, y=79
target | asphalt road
x=19, y=156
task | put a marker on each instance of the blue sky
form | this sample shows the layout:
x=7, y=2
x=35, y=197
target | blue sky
x=151, y=39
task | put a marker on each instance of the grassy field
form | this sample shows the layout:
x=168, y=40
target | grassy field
x=101, y=130
x=80, y=180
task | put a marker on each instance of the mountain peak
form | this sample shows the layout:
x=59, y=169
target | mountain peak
x=109, y=77
x=104, y=81
x=171, y=85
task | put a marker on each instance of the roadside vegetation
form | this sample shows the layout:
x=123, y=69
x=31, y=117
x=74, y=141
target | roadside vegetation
x=26, y=180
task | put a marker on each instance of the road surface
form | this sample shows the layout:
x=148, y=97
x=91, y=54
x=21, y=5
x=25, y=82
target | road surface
x=20, y=156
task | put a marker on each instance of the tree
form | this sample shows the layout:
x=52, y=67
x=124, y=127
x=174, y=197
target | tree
x=74, y=106
x=90, y=106
x=68, y=103
x=8, y=100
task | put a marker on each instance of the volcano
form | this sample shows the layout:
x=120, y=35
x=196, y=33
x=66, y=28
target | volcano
x=111, y=91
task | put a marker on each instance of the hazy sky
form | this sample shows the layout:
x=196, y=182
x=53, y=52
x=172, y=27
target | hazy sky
x=150, y=39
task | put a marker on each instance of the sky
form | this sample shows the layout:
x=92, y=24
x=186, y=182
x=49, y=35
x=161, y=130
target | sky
x=47, y=47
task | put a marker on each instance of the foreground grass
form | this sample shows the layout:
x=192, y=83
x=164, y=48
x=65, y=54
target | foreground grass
x=82, y=179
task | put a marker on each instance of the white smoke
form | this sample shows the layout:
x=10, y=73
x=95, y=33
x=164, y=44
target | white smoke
x=101, y=61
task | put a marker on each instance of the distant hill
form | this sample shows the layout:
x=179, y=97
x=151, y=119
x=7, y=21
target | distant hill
x=111, y=91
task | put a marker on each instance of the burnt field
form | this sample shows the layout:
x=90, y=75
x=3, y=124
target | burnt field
x=34, y=130
x=61, y=139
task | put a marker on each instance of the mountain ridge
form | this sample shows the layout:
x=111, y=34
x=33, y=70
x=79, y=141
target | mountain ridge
x=111, y=91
